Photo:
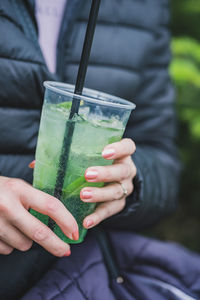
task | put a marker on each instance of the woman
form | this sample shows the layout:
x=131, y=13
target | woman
x=129, y=59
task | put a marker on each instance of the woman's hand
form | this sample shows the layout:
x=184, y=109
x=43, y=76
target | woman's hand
x=18, y=228
x=119, y=176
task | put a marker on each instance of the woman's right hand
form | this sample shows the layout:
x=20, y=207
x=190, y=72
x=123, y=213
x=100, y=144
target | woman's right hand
x=18, y=228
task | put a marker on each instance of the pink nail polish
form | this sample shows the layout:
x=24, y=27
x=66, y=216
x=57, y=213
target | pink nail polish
x=89, y=223
x=68, y=253
x=107, y=153
x=70, y=236
x=32, y=164
x=86, y=194
x=91, y=174
x=75, y=235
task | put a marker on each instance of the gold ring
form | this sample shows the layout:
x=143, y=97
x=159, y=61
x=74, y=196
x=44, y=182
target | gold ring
x=125, y=192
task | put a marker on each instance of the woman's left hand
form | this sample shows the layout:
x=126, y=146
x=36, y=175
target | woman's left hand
x=119, y=176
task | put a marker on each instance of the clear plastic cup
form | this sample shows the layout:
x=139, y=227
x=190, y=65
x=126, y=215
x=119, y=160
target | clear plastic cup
x=100, y=121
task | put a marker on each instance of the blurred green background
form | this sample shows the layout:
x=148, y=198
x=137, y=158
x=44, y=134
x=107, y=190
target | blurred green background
x=184, y=225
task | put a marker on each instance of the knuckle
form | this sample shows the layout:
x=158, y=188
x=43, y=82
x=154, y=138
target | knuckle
x=60, y=251
x=125, y=172
x=52, y=205
x=130, y=188
x=14, y=217
x=40, y=234
x=133, y=170
x=107, y=210
x=122, y=204
x=2, y=234
x=96, y=218
x=24, y=246
x=6, y=250
x=132, y=146
x=106, y=173
x=4, y=209
x=14, y=184
x=118, y=192
x=9, y=183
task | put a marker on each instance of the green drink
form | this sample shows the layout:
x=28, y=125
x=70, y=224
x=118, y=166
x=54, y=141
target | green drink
x=94, y=128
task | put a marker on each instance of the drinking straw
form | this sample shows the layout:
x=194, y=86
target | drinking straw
x=69, y=129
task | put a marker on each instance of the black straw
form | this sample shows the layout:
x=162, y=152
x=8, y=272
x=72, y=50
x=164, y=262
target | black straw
x=69, y=129
x=85, y=54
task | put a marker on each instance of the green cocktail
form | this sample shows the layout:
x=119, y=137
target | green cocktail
x=95, y=127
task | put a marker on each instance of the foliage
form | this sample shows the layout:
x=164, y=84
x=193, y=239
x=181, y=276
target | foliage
x=184, y=226
x=186, y=63
x=185, y=71
x=185, y=18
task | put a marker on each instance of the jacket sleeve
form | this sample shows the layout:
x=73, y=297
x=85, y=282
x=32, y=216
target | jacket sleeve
x=153, y=128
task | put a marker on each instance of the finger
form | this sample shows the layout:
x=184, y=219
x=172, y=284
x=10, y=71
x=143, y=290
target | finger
x=48, y=205
x=13, y=237
x=120, y=149
x=104, y=211
x=32, y=164
x=40, y=233
x=110, y=192
x=115, y=172
x=5, y=249
x=129, y=162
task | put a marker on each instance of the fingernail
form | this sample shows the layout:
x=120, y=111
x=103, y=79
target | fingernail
x=70, y=236
x=91, y=174
x=86, y=194
x=108, y=153
x=75, y=235
x=68, y=253
x=89, y=223
x=32, y=164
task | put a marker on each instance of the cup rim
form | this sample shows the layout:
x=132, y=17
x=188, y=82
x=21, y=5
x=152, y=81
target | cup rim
x=92, y=97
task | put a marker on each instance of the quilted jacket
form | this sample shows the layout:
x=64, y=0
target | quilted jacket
x=129, y=58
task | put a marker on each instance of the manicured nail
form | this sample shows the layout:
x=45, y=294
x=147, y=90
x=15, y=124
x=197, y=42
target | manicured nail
x=91, y=174
x=32, y=164
x=75, y=235
x=68, y=253
x=108, y=153
x=86, y=194
x=70, y=236
x=89, y=223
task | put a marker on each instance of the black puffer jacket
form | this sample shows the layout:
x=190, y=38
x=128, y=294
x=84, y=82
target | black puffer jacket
x=129, y=58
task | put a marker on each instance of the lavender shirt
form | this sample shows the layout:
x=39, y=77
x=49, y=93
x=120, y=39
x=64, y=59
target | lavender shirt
x=49, y=15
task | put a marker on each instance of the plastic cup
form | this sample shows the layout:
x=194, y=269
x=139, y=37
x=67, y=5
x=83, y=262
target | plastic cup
x=101, y=120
